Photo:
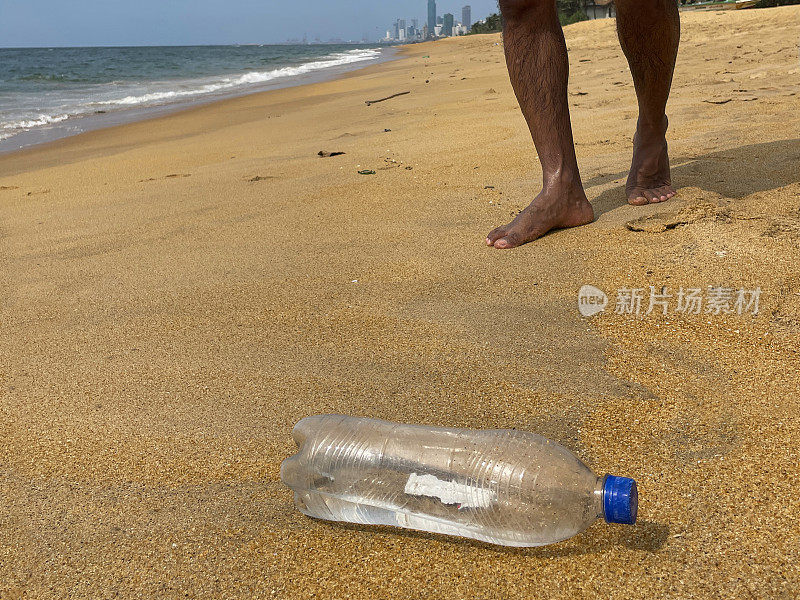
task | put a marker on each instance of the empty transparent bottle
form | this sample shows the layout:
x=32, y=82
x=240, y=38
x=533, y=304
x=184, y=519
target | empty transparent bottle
x=503, y=486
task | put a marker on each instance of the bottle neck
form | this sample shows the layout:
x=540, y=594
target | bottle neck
x=598, y=497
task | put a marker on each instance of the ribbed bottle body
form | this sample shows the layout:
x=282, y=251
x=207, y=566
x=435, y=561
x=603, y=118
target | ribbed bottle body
x=503, y=487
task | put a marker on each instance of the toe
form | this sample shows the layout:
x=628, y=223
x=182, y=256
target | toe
x=651, y=196
x=507, y=242
x=665, y=193
x=495, y=235
x=637, y=198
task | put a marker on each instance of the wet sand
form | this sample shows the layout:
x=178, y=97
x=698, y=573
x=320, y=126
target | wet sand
x=179, y=292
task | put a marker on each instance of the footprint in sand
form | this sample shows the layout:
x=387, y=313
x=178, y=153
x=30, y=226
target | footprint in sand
x=696, y=213
x=8, y=187
x=690, y=443
x=261, y=178
x=786, y=304
x=783, y=227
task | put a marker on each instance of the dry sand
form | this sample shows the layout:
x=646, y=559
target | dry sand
x=177, y=293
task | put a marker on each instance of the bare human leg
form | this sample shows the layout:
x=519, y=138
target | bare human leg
x=649, y=32
x=538, y=66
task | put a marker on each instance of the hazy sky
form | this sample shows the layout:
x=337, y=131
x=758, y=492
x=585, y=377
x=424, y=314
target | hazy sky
x=187, y=22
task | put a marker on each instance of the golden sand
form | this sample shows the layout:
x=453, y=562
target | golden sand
x=178, y=292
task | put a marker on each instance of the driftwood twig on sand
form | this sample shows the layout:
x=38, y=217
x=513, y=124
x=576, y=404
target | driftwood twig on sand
x=371, y=102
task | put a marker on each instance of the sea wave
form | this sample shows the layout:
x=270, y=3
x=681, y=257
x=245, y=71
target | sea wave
x=52, y=78
x=31, y=123
x=251, y=78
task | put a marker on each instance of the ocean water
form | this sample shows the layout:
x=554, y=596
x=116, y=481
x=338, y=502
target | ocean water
x=48, y=88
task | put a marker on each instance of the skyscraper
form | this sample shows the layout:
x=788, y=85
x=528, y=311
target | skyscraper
x=431, y=17
x=466, y=17
x=447, y=24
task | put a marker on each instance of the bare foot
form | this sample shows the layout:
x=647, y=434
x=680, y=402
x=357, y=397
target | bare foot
x=649, y=180
x=556, y=207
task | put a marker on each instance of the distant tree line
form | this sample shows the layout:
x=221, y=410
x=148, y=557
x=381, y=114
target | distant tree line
x=491, y=24
x=572, y=11
x=762, y=4
x=569, y=11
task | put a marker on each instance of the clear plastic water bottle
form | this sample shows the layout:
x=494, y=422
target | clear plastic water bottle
x=503, y=486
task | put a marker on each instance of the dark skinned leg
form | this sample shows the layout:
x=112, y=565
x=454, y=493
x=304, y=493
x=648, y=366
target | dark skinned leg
x=649, y=31
x=536, y=55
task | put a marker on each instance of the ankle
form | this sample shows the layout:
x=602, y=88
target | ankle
x=564, y=179
x=566, y=185
x=656, y=124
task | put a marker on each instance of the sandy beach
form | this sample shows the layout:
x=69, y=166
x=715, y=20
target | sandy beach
x=178, y=292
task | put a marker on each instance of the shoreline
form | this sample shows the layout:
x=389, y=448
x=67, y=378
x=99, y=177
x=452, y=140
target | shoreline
x=89, y=143
x=79, y=124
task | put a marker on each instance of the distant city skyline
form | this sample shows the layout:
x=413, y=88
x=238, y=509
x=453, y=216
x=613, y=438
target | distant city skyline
x=436, y=25
x=48, y=23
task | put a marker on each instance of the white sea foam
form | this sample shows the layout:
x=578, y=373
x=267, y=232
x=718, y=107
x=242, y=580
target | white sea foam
x=31, y=123
x=254, y=77
x=12, y=128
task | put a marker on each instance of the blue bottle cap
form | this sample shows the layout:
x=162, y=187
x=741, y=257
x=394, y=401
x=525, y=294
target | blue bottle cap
x=620, y=500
